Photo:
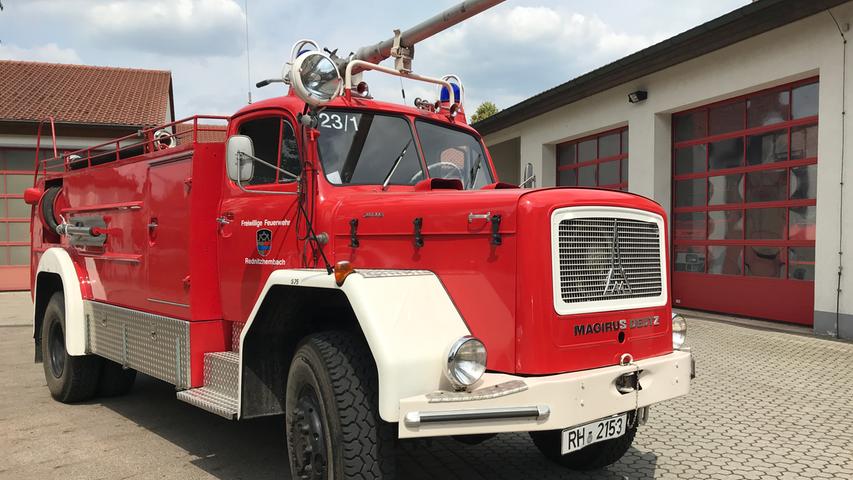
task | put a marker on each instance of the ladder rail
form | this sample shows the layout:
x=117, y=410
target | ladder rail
x=149, y=140
x=37, y=163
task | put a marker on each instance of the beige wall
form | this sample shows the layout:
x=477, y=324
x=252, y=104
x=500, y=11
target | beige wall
x=506, y=157
x=806, y=48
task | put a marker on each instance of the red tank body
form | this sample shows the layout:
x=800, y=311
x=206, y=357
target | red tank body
x=181, y=235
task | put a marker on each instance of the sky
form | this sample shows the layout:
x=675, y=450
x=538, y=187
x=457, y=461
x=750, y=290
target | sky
x=504, y=55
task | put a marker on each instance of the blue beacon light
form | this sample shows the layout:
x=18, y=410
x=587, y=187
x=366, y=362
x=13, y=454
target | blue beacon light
x=445, y=95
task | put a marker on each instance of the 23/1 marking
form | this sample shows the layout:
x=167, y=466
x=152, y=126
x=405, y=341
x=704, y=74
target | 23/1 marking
x=337, y=122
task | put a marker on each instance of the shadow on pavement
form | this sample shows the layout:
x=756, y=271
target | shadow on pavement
x=250, y=449
x=254, y=449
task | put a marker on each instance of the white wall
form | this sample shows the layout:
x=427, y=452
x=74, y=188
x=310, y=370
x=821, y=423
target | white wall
x=803, y=49
x=66, y=143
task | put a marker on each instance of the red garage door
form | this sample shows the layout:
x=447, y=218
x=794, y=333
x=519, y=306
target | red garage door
x=16, y=174
x=744, y=204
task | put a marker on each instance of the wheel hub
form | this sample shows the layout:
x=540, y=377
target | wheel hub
x=56, y=345
x=308, y=437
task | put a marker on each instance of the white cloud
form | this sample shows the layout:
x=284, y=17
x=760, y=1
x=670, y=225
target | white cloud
x=164, y=27
x=510, y=53
x=49, y=52
x=505, y=54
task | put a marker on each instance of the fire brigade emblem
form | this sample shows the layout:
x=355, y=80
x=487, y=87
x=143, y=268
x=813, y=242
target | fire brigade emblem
x=264, y=238
x=617, y=281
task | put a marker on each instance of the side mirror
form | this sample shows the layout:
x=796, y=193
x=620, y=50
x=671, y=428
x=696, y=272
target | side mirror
x=239, y=153
x=529, y=177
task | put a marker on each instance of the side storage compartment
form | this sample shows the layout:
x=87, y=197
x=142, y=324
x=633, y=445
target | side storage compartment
x=152, y=344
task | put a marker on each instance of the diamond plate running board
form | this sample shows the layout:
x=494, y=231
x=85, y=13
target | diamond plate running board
x=219, y=393
x=213, y=402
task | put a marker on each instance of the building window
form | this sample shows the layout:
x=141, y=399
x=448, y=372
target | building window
x=745, y=185
x=597, y=161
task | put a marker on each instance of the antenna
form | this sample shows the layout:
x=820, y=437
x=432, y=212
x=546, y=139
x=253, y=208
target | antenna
x=248, y=60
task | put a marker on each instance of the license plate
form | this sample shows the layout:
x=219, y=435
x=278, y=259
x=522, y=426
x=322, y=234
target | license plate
x=576, y=438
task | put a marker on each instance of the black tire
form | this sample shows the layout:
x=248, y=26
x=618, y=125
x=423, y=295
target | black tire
x=47, y=207
x=332, y=418
x=69, y=379
x=115, y=380
x=593, y=457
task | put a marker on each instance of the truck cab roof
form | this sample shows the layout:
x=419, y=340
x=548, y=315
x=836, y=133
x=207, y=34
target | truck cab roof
x=294, y=104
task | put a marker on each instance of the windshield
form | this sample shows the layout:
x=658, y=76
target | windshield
x=453, y=153
x=361, y=148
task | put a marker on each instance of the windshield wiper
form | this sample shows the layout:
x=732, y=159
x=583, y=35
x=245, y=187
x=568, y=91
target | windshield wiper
x=396, y=164
x=476, y=169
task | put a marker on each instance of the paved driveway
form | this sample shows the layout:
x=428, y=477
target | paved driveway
x=766, y=405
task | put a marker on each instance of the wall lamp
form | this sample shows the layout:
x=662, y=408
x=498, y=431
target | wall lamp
x=638, y=96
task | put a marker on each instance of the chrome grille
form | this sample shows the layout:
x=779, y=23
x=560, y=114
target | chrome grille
x=608, y=258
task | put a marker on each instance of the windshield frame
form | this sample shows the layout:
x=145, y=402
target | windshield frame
x=415, y=140
x=485, y=161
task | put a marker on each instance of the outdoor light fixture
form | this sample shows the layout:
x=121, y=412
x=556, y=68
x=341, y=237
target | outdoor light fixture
x=638, y=96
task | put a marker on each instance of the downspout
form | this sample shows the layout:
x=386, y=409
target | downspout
x=841, y=182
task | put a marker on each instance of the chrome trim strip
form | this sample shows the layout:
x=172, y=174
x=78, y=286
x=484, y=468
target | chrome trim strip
x=538, y=413
x=166, y=302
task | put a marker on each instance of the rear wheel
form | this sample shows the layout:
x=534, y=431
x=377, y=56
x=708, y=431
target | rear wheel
x=69, y=378
x=593, y=457
x=332, y=418
x=115, y=380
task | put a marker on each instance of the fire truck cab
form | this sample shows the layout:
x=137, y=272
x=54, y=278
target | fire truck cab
x=357, y=267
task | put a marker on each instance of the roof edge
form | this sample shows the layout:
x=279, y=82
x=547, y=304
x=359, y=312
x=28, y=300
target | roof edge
x=93, y=67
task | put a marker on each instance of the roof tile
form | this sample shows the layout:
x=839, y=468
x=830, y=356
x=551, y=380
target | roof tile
x=31, y=91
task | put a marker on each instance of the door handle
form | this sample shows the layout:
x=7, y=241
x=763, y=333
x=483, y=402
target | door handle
x=478, y=216
x=225, y=218
x=222, y=222
x=152, y=229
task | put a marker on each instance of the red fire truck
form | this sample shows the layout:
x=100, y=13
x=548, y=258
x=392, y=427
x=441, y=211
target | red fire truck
x=358, y=267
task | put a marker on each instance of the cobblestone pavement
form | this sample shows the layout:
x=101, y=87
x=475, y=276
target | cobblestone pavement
x=765, y=405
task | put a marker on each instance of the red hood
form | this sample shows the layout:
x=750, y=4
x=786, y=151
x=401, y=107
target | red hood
x=502, y=291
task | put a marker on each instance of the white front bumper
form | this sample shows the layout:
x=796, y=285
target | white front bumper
x=549, y=402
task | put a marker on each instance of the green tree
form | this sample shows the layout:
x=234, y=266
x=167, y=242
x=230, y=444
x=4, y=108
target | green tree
x=484, y=111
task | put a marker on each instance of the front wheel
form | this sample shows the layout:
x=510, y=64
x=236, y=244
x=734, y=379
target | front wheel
x=332, y=418
x=593, y=457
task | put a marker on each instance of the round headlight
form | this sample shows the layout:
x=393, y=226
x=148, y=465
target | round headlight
x=315, y=78
x=466, y=362
x=679, y=331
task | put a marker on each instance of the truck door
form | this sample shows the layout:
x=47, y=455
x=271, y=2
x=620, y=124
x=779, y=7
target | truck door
x=168, y=236
x=258, y=227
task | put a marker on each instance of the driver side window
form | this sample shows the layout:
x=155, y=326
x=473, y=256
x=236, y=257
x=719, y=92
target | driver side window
x=275, y=142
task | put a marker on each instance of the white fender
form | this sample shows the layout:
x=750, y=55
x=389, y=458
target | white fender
x=56, y=260
x=407, y=318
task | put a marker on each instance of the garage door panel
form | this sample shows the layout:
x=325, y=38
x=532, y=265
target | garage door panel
x=767, y=298
x=744, y=187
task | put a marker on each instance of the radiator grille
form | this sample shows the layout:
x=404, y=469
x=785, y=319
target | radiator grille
x=608, y=258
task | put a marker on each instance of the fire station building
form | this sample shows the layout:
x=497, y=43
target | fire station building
x=90, y=105
x=737, y=128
